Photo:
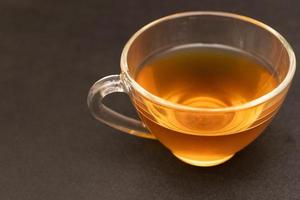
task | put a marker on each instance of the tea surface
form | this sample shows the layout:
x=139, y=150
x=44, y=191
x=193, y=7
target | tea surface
x=207, y=77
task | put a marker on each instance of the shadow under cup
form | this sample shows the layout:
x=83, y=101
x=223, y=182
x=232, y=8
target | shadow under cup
x=204, y=136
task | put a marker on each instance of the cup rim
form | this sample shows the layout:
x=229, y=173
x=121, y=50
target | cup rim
x=252, y=103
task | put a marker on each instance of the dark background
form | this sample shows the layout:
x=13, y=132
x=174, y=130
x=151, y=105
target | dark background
x=51, y=147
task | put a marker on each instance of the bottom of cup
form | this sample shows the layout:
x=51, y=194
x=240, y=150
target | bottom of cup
x=204, y=163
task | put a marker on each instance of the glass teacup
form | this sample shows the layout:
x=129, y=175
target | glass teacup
x=200, y=148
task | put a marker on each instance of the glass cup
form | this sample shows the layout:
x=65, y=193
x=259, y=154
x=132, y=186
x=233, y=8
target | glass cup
x=221, y=141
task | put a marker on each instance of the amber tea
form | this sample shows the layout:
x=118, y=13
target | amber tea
x=209, y=77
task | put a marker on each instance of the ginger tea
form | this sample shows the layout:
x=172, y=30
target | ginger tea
x=209, y=77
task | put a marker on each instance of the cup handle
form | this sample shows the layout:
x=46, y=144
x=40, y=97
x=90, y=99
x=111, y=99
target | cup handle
x=98, y=91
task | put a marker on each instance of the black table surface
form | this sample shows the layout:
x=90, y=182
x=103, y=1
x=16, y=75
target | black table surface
x=52, y=148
